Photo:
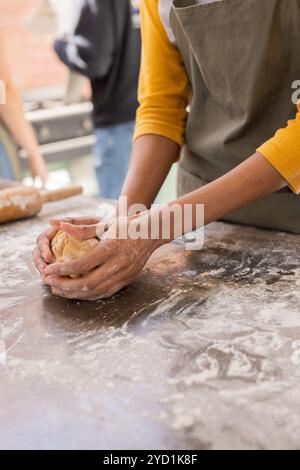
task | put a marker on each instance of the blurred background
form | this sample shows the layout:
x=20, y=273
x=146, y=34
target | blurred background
x=57, y=105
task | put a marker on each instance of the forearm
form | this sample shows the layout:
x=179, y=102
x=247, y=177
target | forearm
x=13, y=116
x=248, y=182
x=152, y=158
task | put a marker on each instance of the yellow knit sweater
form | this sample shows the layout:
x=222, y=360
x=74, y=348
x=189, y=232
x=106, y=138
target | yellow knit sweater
x=164, y=94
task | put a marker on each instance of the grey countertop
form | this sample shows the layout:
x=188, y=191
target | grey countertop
x=201, y=352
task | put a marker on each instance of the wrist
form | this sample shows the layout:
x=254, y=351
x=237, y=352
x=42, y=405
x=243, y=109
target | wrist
x=160, y=227
x=34, y=155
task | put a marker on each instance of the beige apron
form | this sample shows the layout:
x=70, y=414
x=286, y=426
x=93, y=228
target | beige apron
x=242, y=57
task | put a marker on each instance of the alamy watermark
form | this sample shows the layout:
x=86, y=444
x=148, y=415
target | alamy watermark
x=163, y=222
x=296, y=94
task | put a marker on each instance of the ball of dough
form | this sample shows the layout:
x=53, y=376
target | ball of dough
x=65, y=247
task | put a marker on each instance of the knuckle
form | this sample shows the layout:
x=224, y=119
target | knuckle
x=81, y=267
x=87, y=286
x=114, y=270
x=76, y=267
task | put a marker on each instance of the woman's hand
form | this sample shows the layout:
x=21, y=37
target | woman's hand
x=109, y=267
x=37, y=167
x=43, y=254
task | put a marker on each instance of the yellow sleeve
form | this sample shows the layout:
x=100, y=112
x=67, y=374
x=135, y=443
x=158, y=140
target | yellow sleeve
x=283, y=152
x=163, y=85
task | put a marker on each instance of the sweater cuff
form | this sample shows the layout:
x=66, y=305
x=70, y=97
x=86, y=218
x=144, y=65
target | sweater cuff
x=283, y=163
x=167, y=131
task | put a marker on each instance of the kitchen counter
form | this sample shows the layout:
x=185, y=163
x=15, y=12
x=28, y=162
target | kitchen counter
x=201, y=352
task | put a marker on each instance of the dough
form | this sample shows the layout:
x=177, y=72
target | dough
x=65, y=247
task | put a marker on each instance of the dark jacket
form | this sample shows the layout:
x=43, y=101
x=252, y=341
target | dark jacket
x=106, y=47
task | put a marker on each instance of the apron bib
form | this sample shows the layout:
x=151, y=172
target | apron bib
x=241, y=57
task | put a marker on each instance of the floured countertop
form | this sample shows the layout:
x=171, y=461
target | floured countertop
x=202, y=352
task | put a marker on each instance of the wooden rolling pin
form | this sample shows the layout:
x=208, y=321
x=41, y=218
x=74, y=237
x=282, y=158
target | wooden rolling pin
x=19, y=202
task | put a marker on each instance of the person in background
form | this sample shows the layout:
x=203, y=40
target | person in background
x=105, y=46
x=13, y=122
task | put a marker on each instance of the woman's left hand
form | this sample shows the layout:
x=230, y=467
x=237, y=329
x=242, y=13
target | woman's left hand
x=109, y=267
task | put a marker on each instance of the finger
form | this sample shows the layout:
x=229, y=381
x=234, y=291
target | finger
x=43, y=243
x=76, y=220
x=98, y=296
x=44, y=177
x=106, y=290
x=82, y=265
x=67, y=295
x=81, y=232
x=63, y=294
x=55, y=223
x=39, y=262
x=89, y=282
x=85, y=232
